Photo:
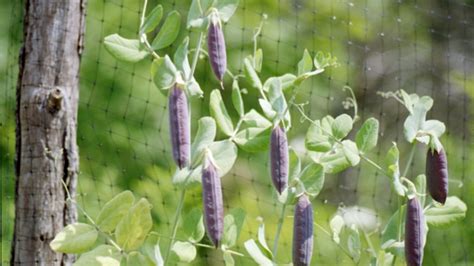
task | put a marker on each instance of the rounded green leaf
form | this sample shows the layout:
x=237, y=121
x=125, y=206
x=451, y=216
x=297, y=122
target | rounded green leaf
x=233, y=223
x=136, y=258
x=128, y=50
x=254, y=119
x=256, y=254
x=312, y=178
x=185, y=251
x=152, y=19
x=341, y=126
x=103, y=255
x=205, y=135
x=193, y=225
x=114, y=210
x=163, y=72
x=197, y=17
x=367, y=135
x=134, y=227
x=251, y=74
x=253, y=139
x=305, y=64
x=237, y=98
x=74, y=238
x=168, y=32
x=226, y=8
x=219, y=112
x=224, y=153
x=351, y=152
x=454, y=210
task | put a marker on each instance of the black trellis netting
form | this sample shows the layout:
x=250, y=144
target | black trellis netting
x=422, y=46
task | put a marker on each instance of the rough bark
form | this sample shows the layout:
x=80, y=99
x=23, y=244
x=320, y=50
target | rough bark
x=46, y=150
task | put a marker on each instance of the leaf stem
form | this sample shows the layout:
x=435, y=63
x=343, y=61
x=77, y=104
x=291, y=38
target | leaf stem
x=142, y=35
x=278, y=232
x=410, y=159
x=175, y=224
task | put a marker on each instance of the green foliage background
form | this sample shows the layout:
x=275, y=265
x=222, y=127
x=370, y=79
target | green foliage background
x=422, y=46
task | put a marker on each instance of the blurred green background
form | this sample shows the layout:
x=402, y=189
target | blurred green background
x=422, y=46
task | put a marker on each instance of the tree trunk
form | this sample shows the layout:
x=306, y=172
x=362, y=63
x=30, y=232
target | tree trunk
x=46, y=150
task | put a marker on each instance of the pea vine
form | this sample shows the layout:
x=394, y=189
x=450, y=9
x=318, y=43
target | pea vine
x=122, y=232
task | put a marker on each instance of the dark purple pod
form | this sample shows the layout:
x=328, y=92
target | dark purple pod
x=216, y=49
x=179, y=126
x=437, y=174
x=279, y=158
x=303, y=232
x=212, y=203
x=414, y=233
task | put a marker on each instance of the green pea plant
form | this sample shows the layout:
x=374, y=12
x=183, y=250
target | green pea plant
x=122, y=232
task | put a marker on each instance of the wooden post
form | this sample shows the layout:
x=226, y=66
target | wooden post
x=46, y=150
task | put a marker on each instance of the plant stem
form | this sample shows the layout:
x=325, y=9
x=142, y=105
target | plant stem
x=277, y=235
x=175, y=224
x=369, y=243
x=196, y=55
x=410, y=159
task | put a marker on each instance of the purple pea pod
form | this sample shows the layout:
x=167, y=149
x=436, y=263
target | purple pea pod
x=212, y=202
x=179, y=126
x=414, y=233
x=279, y=158
x=303, y=232
x=216, y=48
x=437, y=174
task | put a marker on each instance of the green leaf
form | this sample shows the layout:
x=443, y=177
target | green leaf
x=335, y=161
x=262, y=242
x=168, y=32
x=341, y=126
x=181, y=58
x=103, y=255
x=351, y=152
x=185, y=251
x=454, y=210
x=237, y=98
x=187, y=177
x=251, y=75
x=295, y=165
x=258, y=60
x=316, y=139
x=353, y=243
x=163, y=72
x=205, y=135
x=224, y=153
x=197, y=17
x=193, y=225
x=267, y=108
x=228, y=260
x=336, y=224
x=226, y=8
x=219, y=112
x=129, y=50
x=233, y=223
x=367, y=135
x=390, y=230
x=305, y=64
x=256, y=254
x=136, y=258
x=114, y=210
x=277, y=99
x=393, y=169
x=287, y=81
x=312, y=178
x=74, y=238
x=415, y=121
x=134, y=227
x=253, y=139
x=152, y=19
x=254, y=119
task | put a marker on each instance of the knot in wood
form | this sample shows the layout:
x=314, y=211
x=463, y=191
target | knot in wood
x=55, y=98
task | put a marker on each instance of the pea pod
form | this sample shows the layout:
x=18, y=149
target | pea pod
x=414, y=233
x=437, y=174
x=179, y=126
x=216, y=48
x=279, y=158
x=303, y=232
x=212, y=202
